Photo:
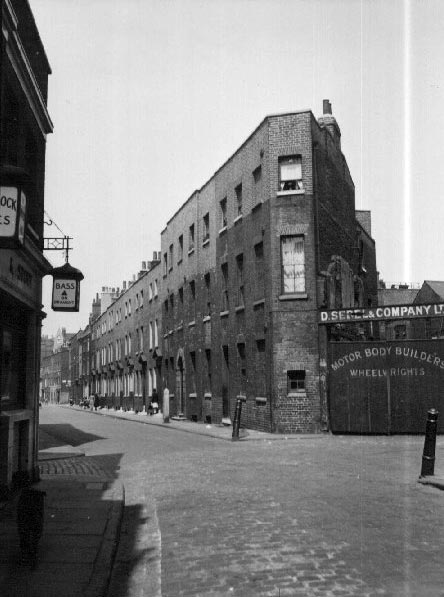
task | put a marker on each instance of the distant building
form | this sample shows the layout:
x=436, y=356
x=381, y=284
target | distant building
x=429, y=293
x=61, y=339
x=47, y=346
x=79, y=365
x=400, y=294
x=125, y=346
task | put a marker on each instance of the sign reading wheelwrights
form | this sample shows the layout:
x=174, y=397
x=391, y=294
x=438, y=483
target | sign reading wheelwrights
x=385, y=387
x=380, y=313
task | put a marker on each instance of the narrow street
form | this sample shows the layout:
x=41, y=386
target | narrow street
x=333, y=515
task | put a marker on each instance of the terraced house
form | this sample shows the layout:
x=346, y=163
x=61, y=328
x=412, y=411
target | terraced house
x=228, y=308
x=247, y=261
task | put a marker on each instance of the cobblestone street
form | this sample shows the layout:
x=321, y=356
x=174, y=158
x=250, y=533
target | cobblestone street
x=319, y=517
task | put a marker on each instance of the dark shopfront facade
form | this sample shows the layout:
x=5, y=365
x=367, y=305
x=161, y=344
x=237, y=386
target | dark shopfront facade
x=20, y=328
x=384, y=387
x=24, y=126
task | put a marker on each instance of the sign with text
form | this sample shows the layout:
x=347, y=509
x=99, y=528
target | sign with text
x=385, y=387
x=12, y=215
x=64, y=294
x=381, y=313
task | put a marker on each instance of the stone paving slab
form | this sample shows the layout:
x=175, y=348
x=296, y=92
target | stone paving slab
x=83, y=514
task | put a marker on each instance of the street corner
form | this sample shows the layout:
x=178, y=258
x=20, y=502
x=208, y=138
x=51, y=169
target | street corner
x=432, y=481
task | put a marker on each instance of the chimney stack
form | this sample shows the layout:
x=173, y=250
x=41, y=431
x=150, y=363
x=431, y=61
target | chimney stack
x=328, y=121
x=326, y=107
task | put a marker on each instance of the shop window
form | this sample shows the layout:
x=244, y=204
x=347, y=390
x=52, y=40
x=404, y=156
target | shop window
x=290, y=173
x=12, y=366
x=296, y=381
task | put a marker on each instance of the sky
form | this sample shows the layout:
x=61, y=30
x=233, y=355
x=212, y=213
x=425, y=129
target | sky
x=149, y=97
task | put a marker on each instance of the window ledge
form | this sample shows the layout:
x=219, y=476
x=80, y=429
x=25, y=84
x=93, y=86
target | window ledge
x=192, y=395
x=179, y=328
x=241, y=397
x=301, y=394
x=222, y=230
x=238, y=219
x=293, y=296
x=224, y=313
x=206, y=242
x=239, y=308
x=259, y=303
x=179, y=261
x=295, y=192
x=191, y=324
x=260, y=400
x=191, y=251
x=206, y=318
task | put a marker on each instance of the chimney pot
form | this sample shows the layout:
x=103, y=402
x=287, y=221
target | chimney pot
x=143, y=265
x=326, y=106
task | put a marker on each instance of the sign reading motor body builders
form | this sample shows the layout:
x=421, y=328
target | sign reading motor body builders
x=64, y=295
x=385, y=387
x=380, y=313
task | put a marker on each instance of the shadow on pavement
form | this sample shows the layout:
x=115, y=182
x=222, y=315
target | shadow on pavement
x=63, y=434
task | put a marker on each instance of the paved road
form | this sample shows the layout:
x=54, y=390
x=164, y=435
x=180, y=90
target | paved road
x=316, y=517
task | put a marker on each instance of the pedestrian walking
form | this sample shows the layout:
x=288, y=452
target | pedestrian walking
x=96, y=401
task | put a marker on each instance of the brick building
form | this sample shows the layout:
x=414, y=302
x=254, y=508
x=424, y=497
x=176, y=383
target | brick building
x=246, y=263
x=124, y=350
x=55, y=377
x=79, y=365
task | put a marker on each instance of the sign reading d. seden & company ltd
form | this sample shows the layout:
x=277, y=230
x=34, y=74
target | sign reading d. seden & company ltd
x=381, y=313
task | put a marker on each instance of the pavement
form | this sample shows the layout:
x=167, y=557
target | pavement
x=84, y=511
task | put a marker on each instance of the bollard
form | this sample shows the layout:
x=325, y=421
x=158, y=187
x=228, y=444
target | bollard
x=428, y=456
x=237, y=418
x=30, y=513
x=166, y=405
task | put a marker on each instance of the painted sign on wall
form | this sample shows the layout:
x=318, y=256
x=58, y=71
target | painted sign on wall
x=381, y=313
x=385, y=387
